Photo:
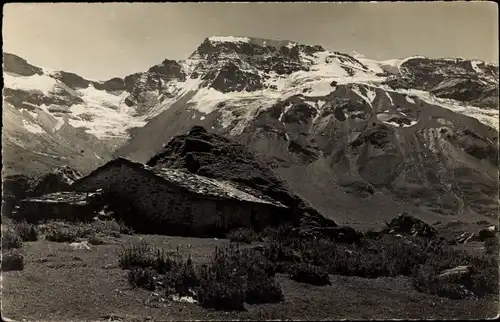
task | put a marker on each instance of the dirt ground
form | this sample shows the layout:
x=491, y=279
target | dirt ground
x=63, y=284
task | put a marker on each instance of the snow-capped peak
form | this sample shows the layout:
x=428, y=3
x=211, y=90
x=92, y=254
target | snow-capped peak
x=232, y=39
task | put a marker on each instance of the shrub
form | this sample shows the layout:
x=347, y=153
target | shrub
x=386, y=255
x=95, y=239
x=181, y=278
x=107, y=227
x=62, y=235
x=63, y=232
x=12, y=260
x=26, y=231
x=111, y=227
x=220, y=295
x=452, y=291
x=145, y=256
x=426, y=281
x=234, y=275
x=485, y=281
x=279, y=253
x=10, y=239
x=143, y=277
x=307, y=273
x=284, y=232
x=491, y=246
x=262, y=288
x=124, y=229
x=485, y=275
x=482, y=279
x=243, y=235
x=60, y=231
x=221, y=287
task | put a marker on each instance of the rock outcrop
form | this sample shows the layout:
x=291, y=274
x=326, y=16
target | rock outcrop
x=217, y=157
x=405, y=224
x=18, y=187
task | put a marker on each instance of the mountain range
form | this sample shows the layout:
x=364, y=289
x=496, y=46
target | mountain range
x=357, y=138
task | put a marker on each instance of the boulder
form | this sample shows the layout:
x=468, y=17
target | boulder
x=455, y=274
x=486, y=233
x=21, y=186
x=405, y=224
x=12, y=260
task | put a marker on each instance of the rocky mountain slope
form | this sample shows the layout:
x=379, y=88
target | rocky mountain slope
x=355, y=137
x=217, y=157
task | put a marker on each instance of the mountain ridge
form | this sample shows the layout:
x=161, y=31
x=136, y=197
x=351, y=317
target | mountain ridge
x=397, y=132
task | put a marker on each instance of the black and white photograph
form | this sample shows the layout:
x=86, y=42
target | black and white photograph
x=257, y=161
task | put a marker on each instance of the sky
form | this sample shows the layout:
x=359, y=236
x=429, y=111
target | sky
x=104, y=40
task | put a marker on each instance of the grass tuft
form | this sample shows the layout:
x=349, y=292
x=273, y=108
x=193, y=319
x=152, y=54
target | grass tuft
x=12, y=260
x=10, y=239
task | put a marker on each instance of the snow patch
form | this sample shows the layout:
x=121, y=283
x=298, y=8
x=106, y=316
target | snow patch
x=391, y=62
x=489, y=117
x=390, y=98
x=32, y=128
x=401, y=125
x=474, y=64
x=410, y=100
x=42, y=83
x=184, y=299
x=47, y=155
x=206, y=99
x=110, y=116
x=33, y=114
x=372, y=65
x=369, y=97
x=287, y=107
x=228, y=39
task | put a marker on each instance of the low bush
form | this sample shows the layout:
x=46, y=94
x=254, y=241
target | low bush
x=107, y=227
x=426, y=280
x=484, y=275
x=385, y=256
x=481, y=279
x=243, y=235
x=124, y=229
x=64, y=232
x=28, y=232
x=111, y=227
x=262, y=288
x=10, y=239
x=12, y=260
x=145, y=256
x=378, y=255
x=62, y=235
x=236, y=275
x=60, y=231
x=146, y=278
x=283, y=232
x=226, y=295
x=452, y=291
x=181, y=279
x=492, y=246
x=95, y=239
x=307, y=273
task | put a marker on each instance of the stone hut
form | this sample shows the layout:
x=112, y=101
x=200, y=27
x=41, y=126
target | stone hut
x=70, y=206
x=171, y=201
